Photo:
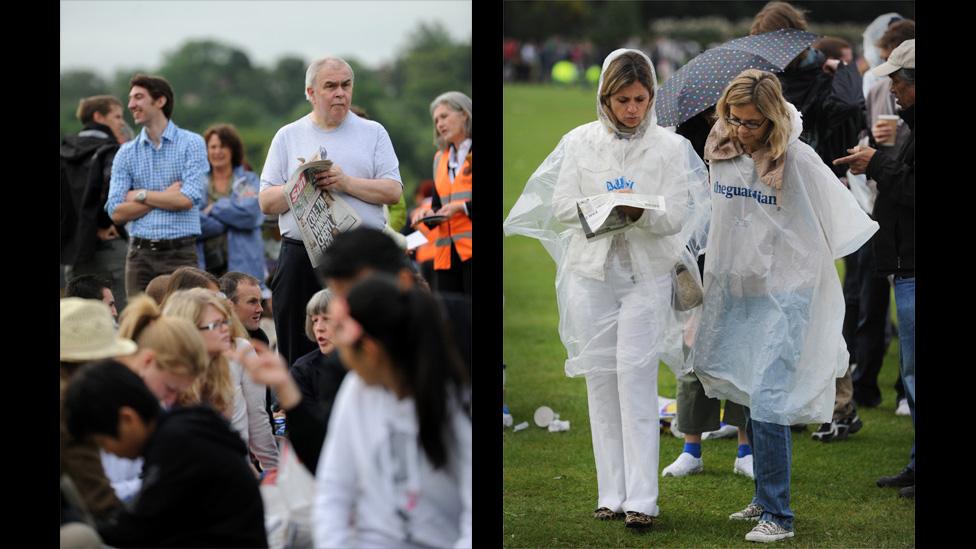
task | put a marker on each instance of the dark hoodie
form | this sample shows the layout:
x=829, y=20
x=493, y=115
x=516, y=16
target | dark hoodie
x=894, y=209
x=86, y=171
x=197, y=488
x=831, y=106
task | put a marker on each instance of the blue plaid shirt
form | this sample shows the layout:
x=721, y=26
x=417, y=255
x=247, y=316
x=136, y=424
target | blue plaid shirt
x=181, y=156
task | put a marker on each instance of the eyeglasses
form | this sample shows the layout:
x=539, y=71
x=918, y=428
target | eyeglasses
x=214, y=325
x=748, y=124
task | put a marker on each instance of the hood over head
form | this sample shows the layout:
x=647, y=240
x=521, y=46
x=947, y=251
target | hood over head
x=873, y=33
x=650, y=121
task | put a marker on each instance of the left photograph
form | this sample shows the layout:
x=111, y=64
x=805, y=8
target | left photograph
x=266, y=274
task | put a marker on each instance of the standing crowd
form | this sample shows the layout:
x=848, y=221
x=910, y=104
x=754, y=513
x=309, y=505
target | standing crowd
x=180, y=406
x=758, y=194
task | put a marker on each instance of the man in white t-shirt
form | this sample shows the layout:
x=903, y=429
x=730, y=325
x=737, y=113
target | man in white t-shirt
x=365, y=172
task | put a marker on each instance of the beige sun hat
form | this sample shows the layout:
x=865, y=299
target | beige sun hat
x=88, y=333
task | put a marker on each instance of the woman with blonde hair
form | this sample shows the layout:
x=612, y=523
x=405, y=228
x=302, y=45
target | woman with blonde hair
x=770, y=333
x=224, y=386
x=172, y=354
x=617, y=315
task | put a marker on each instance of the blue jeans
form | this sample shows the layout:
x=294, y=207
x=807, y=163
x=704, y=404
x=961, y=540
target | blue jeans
x=772, y=447
x=905, y=305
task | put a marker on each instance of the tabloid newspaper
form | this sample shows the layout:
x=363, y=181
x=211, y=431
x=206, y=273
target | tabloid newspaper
x=320, y=214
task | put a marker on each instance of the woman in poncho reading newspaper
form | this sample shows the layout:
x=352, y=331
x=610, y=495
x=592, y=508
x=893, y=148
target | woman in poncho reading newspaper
x=770, y=332
x=615, y=292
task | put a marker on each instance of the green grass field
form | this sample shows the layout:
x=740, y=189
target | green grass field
x=550, y=479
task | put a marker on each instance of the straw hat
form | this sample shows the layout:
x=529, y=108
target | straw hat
x=88, y=333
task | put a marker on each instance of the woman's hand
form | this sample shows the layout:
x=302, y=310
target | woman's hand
x=450, y=209
x=632, y=213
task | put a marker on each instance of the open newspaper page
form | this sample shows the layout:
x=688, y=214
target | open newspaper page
x=600, y=215
x=320, y=214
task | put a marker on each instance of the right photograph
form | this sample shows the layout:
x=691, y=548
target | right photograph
x=709, y=285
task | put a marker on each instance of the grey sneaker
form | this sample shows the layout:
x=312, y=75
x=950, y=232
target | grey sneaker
x=767, y=531
x=751, y=512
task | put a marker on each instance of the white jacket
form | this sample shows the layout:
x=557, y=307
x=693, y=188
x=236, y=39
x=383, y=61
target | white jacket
x=770, y=332
x=658, y=162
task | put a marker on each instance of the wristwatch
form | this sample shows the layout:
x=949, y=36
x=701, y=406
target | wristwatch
x=141, y=196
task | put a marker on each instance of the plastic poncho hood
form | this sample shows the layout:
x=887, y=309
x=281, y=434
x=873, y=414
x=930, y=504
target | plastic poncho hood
x=593, y=159
x=770, y=331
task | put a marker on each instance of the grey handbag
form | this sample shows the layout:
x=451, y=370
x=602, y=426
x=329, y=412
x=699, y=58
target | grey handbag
x=687, y=290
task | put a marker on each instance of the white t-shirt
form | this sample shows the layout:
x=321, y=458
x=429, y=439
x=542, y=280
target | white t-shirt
x=362, y=148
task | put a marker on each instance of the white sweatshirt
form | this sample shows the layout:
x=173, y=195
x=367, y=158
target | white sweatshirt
x=375, y=485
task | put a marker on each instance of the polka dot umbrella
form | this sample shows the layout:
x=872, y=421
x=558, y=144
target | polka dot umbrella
x=700, y=82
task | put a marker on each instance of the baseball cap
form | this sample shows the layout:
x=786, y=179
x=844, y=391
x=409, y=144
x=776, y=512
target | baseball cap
x=902, y=57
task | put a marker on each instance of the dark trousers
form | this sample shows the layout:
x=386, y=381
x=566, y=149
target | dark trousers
x=143, y=265
x=293, y=284
x=867, y=296
x=457, y=279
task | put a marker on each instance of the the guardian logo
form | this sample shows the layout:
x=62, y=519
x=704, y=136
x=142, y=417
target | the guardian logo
x=759, y=196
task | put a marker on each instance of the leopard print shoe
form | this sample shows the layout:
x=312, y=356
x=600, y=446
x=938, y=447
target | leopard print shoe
x=604, y=513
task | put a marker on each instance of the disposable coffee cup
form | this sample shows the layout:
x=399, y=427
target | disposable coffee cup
x=890, y=120
x=544, y=416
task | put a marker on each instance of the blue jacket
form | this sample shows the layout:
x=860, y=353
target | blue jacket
x=239, y=215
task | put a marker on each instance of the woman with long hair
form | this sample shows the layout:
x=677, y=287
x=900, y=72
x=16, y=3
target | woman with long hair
x=618, y=316
x=770, y=335
x=396, y=466
x=225, y=386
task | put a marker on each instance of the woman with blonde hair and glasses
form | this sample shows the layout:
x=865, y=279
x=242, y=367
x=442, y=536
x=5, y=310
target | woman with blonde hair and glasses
x=617, y=316
x=770, y=333
x=225, y=386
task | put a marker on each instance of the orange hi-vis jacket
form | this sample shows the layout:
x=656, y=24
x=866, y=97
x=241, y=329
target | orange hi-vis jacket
x=457, y=229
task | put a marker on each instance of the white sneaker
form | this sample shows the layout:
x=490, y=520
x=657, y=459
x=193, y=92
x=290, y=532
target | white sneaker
x=767, y=531
x=902, y=409
x=725, y=431
x=743, y=466
x=686, y=464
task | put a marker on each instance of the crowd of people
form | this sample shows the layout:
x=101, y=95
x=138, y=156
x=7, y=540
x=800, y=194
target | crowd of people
x=803, y=169
x=178, y=399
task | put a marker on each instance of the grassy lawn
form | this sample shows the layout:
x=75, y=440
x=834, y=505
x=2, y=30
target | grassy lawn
x=550, y=478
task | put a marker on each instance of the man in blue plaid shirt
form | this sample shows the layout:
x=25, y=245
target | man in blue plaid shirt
x=158, y=187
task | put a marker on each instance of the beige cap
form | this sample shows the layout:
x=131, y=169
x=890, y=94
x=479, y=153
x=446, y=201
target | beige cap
x=902, y=57
x=88, y=333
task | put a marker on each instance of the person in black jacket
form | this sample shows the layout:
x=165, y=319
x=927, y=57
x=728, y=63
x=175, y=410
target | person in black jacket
x=308, y=390
x=90, y=242
x=198, y=490
x=894, y=210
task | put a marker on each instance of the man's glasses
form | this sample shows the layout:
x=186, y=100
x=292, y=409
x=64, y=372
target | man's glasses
x=750, y=125
x=214, y=325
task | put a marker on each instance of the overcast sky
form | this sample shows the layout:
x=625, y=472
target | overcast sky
x=107, y=36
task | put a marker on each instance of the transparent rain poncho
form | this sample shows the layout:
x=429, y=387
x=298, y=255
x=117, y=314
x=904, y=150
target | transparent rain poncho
x=583, y=163
x=770, y=331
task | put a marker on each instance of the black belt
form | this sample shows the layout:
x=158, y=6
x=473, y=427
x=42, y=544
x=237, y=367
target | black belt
x=292, y=241
x=162, y=245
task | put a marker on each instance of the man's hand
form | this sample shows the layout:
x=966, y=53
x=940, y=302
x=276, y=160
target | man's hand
x=882, y=132
x=631, y=212
x=830, y=66
x=859, y=159
x=108, y=233
x=333, y=180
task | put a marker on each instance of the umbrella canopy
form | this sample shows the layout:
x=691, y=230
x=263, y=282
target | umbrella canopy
x=699, y=84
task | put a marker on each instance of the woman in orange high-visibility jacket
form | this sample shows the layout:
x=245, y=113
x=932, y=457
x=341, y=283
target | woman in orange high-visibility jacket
x=451, y=113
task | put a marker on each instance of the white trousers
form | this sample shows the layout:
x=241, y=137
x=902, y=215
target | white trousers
x=623, y=404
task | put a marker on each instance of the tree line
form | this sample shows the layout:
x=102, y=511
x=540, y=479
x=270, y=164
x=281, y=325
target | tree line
x=216, y=82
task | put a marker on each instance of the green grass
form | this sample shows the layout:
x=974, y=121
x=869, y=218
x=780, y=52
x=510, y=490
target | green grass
x=550, y=479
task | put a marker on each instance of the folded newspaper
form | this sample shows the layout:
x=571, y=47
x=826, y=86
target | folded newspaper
x=320, y=214
x=600, y=215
